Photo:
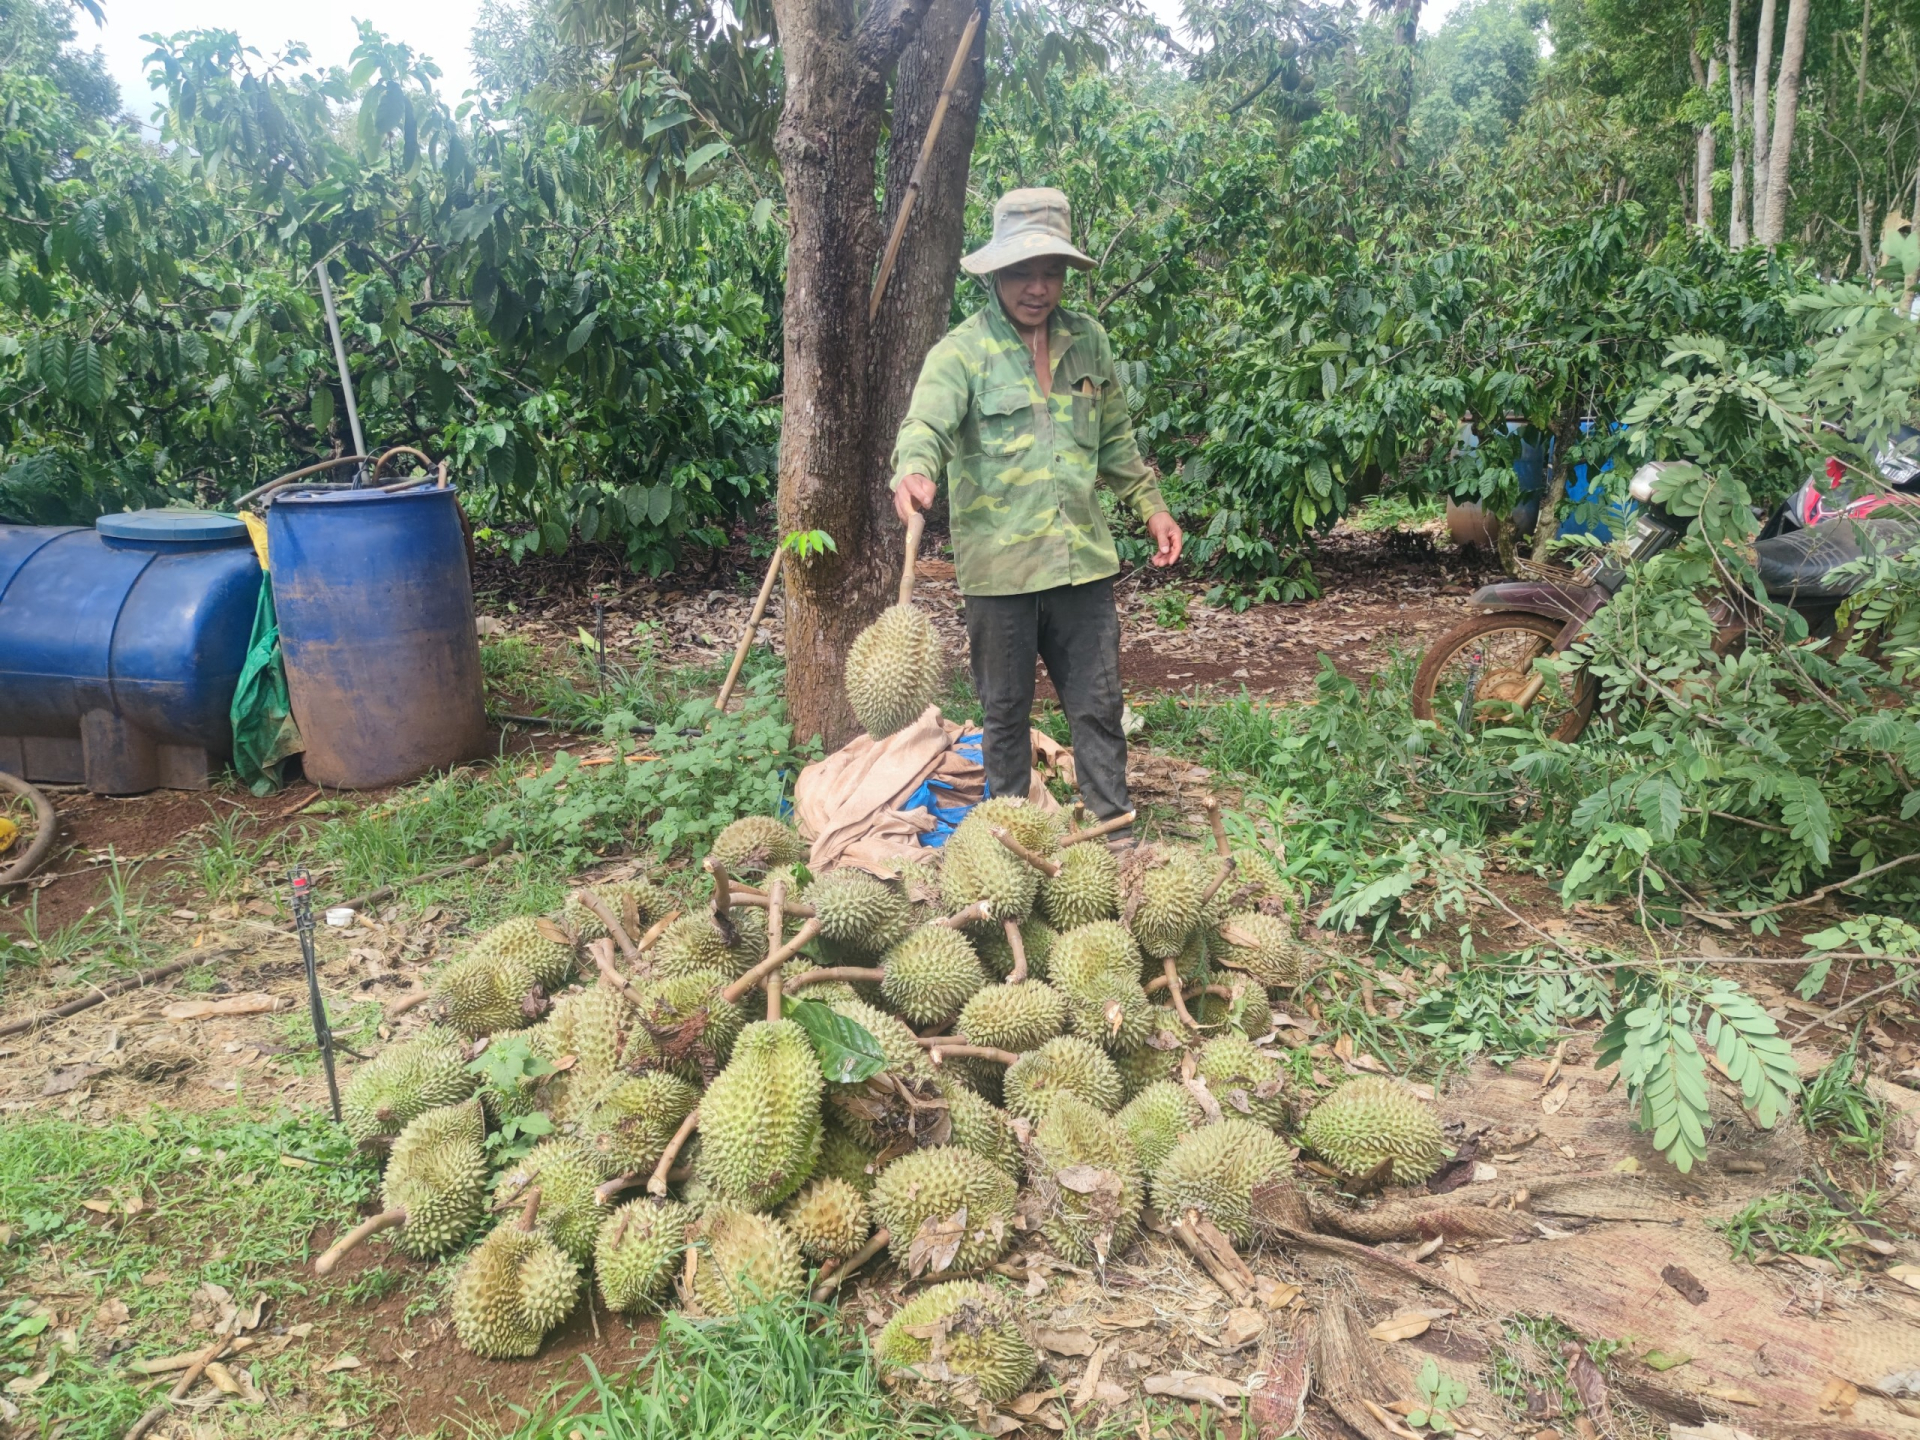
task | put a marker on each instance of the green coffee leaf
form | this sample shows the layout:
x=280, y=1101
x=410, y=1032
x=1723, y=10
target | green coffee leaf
x=847, y=1050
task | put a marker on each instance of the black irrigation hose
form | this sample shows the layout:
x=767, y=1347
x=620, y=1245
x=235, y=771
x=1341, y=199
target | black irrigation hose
x=542, y=722
x=43, y=839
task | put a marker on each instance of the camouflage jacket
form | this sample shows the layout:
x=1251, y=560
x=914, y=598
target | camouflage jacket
x=1021, y=467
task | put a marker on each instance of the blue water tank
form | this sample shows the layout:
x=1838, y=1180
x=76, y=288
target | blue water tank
x=120, y=647
x=376, y=627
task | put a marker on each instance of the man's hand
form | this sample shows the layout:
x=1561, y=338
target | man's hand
x=914, y=492
x=1166, y=537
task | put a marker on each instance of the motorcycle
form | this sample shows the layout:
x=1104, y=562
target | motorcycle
x=1483, y=672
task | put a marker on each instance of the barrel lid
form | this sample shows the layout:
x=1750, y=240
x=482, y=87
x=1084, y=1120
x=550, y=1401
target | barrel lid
x=366, y=495
x=171, y=526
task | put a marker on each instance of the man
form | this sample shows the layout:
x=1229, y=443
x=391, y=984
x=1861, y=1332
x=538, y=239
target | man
x=1019, y=407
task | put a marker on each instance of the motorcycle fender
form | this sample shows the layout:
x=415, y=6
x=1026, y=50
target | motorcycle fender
x=1561, y=601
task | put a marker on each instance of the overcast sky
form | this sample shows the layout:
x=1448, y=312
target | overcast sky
x=438, y=28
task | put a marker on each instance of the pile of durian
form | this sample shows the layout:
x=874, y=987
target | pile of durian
x=1058, y=1035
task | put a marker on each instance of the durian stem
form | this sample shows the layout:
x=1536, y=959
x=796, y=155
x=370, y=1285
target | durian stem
x=1018, y=973
x=602, y=953
x=776, y=922
x=655, y=931
x=772, y=963
x=747, y=895
x=602, y=1194
x=722, y=902
x=916, y=527
x=849, y=973
x=968, y=915
x=1189, y=1233
x=1077, y=821
x=365, y=1230
x=1172, y=977
x=879, y=1241
x=1046, y=867
x=530, y=1211
x=604, y=914
x=1219, y=823
x=1105, y=827
x=977, y=1052
x=944, y=1042
x=1219, y=992
x=1226, y=872
x=657, y=1182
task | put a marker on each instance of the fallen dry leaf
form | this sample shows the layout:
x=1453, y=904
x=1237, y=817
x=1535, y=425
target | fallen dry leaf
x=1274, y=1294
x=1406, y=1324
x=1129, y=1315
x=254, y=1004
x=1686, y=1283
x=112, y=1312
x=1555, y=1100
x=1030, y=1403
x=222, y=1378
x=1067, y=1342
x=1838, y=1397
x=1732, y=1394
x=1712, y=1430
x=1090, y=1382
x=1243, y=1327
x=1191, y=1385
x=342, y=1361
x=1905, y=1274
x=1628, y=1166
x=1386, y=1418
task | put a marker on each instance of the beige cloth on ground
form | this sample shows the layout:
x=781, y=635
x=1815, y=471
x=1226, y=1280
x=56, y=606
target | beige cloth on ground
x=848, y=804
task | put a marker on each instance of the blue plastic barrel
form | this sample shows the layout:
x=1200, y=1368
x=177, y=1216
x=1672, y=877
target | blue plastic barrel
x=376, y=627
x=120, y=647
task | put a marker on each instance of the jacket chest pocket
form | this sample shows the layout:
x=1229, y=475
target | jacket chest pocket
x=1006, y=421
x=1083, y=390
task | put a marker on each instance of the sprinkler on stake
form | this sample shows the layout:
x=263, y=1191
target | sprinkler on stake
x=322, y=1033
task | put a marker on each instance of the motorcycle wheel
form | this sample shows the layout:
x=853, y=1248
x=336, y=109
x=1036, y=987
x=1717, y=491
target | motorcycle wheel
x=1473, y=674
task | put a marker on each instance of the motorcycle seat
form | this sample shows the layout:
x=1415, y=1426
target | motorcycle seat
x=1798, y=566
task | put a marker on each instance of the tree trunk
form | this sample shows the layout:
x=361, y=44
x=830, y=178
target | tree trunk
x=1762, y=68
x=1703, y=146
x=836, y=423
x=1786, y=102
x=1737, y=198
x=1566, y=434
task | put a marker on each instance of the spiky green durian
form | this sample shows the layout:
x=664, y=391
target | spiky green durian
x=828, y=1219
x=637, y=1252
x=919, y=879
x=1064, y=1065
x=1158, y=1059
x=694, y=943
x=755, y=844
x=601, y=1029
x=1194, y=963
x=530, y=954
x=1264, y=947
x=857, y=911
x=1373, y=1119
x=1036, y=941
x=1086, y=1223
x=931, y=974
x=894, y=670
x=1018, y=1017
x=690, y=1025
x=977, y=1125
x=760, y=1119
x=1244, y=1079
x=1113, y=1013
x=649, y=903
x=437, y=1173
x=744, y=1259
x=842, y=1157
x=481, y=995
x=1086, y=889
x=1099, y=951
x=1156, y=1118
x=979, y=1342
x=937, y=1184
x=976, y=866
x=1163, y=890
x=566, y=1176
x=514, y=1288
x=627, y=1131
x=897, y=1042
x=405, y=1081
x=1215, y=1170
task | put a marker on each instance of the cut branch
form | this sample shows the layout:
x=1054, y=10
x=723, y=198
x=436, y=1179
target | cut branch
x=602, y=912
x=1172, y=977
x=657, y=1182
x=851, y=974
x=360, y=1233
x=1105, y=827
x=977, y=1052
x=1046, y=867
x=879, y=1241
x=773, y=962
x=972, y=914
x=1018, y=973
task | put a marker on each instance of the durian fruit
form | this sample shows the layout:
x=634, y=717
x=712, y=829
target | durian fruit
x=530, y=955
x=979, y=1341
x=483, y=995
x=935, y=1185
x=601, y=1029
x=1114, y=1014
x=760, y=1118
x=1086, y=889
x=1158, y=1059
x=691, y=1026
x=1018, y=1017
x=1064, y=1065
x=828, y=1219
x=405, y=1081
x=1245, y=1080
x=514, y=1288
x=1036, y=940
x=649, y=903
x=873, y=1112
x=976, y=866
x=857, y=911
x=627, y=1131
x=842, y=1157
x=919, y=879
x=637, y=1252
x=931, y=974
x=1094, y=952
x=1164, y=890
x=979, y=1126
x=743, y=1259
x=755, y=844
x=565, y=1174
x=1373, y=1119
x=694, y=943
x=894, y=670
x=1263, y=946
x=897, y=1042
x=1156, y=1119
x=437, y=1173
x=1215, y=1170
x=1085, y=1224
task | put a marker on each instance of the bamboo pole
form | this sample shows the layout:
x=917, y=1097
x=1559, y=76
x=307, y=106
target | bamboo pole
x=753, y=626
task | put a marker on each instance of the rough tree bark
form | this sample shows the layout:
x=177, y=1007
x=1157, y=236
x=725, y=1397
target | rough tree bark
x=1786, y=102
x=1737, y=199
x=842, y=397
x=1762, y=69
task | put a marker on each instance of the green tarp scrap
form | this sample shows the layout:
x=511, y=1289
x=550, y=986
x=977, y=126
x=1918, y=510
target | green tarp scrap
x=264, y=734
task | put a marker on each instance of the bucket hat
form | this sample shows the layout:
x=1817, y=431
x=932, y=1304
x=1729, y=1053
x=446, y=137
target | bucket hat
x=1026, y=225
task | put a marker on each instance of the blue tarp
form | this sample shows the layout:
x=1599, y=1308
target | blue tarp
x=931, y=792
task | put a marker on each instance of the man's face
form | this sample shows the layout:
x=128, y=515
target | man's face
x=1030, y=290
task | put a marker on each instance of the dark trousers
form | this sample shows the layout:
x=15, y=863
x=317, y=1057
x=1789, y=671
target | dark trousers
x=1076, y=630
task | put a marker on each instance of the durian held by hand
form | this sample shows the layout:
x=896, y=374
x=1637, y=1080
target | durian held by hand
x=893, y=670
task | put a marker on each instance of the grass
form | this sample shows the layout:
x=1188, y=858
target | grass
x=217, y=1203
x=1395, y=511
x=1798, y=1221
